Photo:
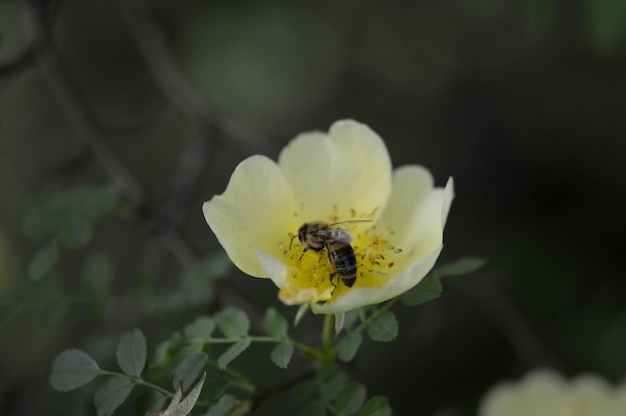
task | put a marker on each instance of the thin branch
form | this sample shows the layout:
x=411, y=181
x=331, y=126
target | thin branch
x=265, y=394
x=33, y=45
x=176, y=85
x=78, y=111
x=87, y=126
x=510, y=321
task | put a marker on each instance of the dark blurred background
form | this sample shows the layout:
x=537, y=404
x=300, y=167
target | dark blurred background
x=521, y=102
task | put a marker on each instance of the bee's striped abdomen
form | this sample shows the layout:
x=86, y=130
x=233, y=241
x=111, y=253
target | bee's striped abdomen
x=342, y=257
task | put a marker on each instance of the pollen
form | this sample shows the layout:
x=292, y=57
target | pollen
x=311, y=266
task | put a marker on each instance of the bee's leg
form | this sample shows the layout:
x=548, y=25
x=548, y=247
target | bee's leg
x=304, y=251
x=332, y=277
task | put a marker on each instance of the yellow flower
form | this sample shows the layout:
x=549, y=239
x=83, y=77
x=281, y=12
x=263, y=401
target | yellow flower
x=344, y=179
x=546, y=393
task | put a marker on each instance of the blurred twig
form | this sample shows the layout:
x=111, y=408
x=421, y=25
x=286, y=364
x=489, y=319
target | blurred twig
x=87, y=125
x=206, y=128
x=513, y=325
x=33, y=45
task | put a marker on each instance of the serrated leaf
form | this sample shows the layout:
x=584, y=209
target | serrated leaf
x=384, y=327
x=274, y=324
x=189, y=369
x=178, y=408
x=223, y=406
x=376, y=406
x=72, y=369
x=314, y=408
x=44, y=260
x=349, y=399
x=281, y=354
x=112, y=394
x=348, y=347
x=233, y=352
x=202, y=327
x=459, y=267
x=329, y=381
x=233, y=323
x=131, y=353
x=428, y=289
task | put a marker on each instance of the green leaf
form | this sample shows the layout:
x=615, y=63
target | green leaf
x=223, y=406
x=98, y=272
x=274, y=324
x=189, y=370
x=459, y=267
x=233, y=352
x=44, y=260
x=149, y=402
x=304, y=390
x=72, y=369
x=376, y=406
x=131, y=353
x=202, y=327
x=76, y=233
x=329, y=381
x=348, y=347
x=185, y=350
x=540, y=12
x=215, y=388
x=384, y=327
x=349, y=399
x=112, y=394
x=164, y=352
x=607, y=19
x=53, y=315
x=281, y=354
x=233, y=322
x=314, y=408
x=428, y=289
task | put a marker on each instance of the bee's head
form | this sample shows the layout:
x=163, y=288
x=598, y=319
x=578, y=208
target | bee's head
x=301, y=234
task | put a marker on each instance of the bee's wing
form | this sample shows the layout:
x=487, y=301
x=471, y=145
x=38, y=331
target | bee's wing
x=340, y=235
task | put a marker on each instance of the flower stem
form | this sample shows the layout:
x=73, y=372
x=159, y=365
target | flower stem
x=327, y=339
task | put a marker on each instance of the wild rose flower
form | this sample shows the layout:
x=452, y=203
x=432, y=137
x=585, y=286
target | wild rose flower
x=546, y=393
x=343, y=178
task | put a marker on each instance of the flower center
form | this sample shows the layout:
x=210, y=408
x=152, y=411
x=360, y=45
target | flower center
x=333, y=257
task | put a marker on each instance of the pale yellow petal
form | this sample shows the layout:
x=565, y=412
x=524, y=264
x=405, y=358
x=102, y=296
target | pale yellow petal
x=255, y=212
x=540, y=393
x=273, y=267
x=416, y=212
x=342, y=173
x=589, y=395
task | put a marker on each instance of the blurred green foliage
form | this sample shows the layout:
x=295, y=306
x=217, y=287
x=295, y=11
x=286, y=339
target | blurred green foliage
x=522, y=103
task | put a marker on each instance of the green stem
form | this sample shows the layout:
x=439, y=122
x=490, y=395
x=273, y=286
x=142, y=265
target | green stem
x=240, y=381
x=315, y=354
x=375, y=314
x=138, y=380
x=327, y=339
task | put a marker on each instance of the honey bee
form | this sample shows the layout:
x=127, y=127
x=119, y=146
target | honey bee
x=320, y=235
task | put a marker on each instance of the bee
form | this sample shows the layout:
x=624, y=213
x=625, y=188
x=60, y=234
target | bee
x=320, y=235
